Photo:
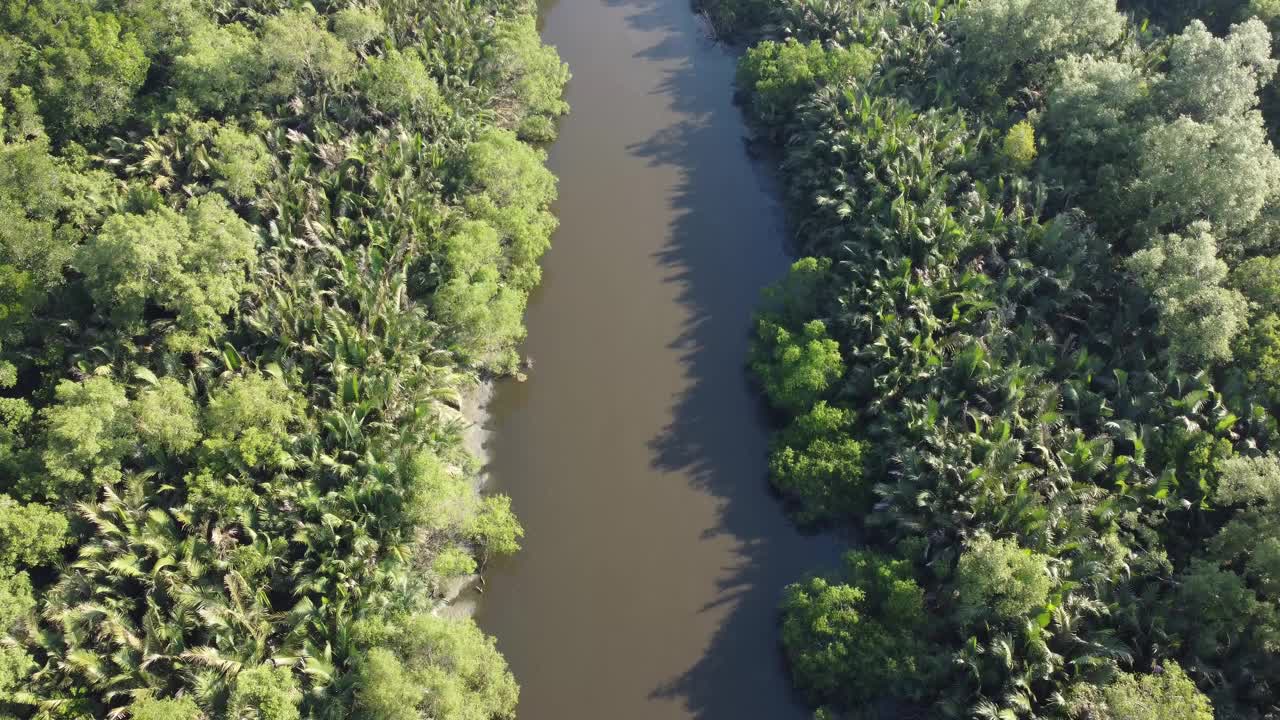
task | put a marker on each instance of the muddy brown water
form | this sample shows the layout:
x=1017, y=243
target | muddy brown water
x=635, y=454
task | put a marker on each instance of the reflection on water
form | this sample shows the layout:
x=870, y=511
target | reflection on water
x=544, y=9
x=635, y=454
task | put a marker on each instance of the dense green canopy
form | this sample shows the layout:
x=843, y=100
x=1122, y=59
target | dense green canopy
x=251, y=254
x=1031, y=350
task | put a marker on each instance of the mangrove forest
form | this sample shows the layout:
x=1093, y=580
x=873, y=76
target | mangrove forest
x=842, y=359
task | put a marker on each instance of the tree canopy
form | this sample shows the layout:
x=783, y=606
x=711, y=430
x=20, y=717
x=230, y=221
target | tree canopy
x=253, y=253
x=1031, y=350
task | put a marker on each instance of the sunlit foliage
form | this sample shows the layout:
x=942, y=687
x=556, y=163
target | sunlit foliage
x=1032, y=351
x=252, y=254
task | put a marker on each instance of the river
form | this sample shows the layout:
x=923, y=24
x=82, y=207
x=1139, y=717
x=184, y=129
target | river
x=635, y=454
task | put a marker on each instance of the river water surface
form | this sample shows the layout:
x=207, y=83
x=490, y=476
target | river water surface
x=635, y=453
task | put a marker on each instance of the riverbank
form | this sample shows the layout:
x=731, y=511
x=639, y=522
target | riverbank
x=460, y=596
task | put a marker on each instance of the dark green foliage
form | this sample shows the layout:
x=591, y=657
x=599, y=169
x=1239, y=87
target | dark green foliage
x=1033, y=348
x=738, y=18
x=1175, y=14
x=253, y=252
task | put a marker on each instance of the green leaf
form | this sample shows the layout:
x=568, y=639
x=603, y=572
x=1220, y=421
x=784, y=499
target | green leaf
x=232, y=358
x=1168, y=481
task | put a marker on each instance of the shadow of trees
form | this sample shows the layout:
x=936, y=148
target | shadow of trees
x=724, y=244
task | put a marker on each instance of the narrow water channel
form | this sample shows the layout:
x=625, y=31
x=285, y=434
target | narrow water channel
x=635, y=453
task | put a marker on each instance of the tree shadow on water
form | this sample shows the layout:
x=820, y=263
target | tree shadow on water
x=723, y=246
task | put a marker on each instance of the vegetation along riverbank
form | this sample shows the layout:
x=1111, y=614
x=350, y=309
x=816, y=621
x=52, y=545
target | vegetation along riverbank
x=252, y=252
x=1031, y=349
